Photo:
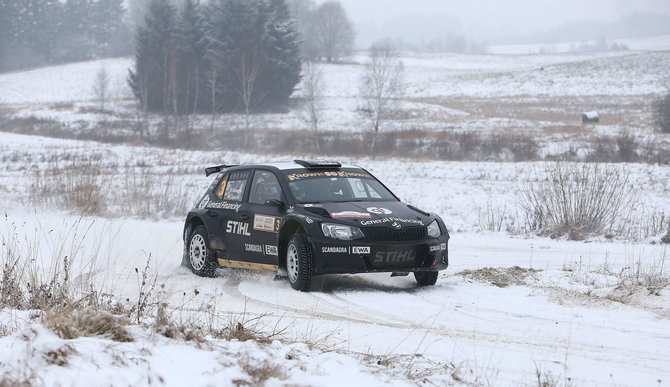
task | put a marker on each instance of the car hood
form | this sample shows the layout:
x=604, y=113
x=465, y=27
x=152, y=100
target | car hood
x=378, y=214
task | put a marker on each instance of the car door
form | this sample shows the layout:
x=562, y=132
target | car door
x=236, y=224
x=265, y=209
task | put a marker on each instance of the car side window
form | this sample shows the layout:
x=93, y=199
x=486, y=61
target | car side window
x=233, y=189
x=363, y=190
x=264, y=187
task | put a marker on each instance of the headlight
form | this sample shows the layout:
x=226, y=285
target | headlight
x=340, y=231
x=434, y=230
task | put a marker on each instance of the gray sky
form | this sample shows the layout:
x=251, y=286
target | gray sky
x=484, y=19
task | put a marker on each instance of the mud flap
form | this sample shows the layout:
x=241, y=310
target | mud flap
x=184, y=258
x=282, y=274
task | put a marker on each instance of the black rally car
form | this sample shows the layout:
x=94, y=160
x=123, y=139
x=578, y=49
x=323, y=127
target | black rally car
x=307, y=218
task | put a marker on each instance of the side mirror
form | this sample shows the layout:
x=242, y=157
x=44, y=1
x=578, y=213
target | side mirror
x=274, y=203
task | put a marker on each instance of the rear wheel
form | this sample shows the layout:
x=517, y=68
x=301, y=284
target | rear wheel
x=299, y=262
x=426, y=278
x=201, y=259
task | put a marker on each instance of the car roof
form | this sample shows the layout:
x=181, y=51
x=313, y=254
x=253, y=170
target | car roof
x=285, y=166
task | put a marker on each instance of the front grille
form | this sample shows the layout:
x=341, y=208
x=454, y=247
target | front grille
x=383, y=234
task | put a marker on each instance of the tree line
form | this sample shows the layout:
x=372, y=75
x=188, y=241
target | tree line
x=231, y=55
x=37, y=32
x=228, y=55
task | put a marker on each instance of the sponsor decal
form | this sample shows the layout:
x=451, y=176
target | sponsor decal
x=396, y=225
x=306, y=218
x=204, y=202
x=224, y=206
x=253, y=248
x=271, y=250
x=239, y=228
x=394, y=256
x=335, y=250
x=360, y=250
x=440, y=247
x=266, y=223
x=389, y=220
x=379, y=210
x=312, y=175
x=350, y=214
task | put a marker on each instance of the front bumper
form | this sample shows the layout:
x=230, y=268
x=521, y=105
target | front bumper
x=359, y=256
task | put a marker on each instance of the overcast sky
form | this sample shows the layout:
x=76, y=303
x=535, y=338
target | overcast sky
x=485, y=19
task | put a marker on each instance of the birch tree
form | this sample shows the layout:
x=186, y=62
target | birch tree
x=381, y=88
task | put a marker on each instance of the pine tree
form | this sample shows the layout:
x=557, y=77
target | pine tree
x=282, y=42
x=246, y=56
x=153, y=80
x=257, y=46
x=106, y=17
x=230, y=55
x=192, y=48
x=218, y=24
x=36, y=26
x=74, y=42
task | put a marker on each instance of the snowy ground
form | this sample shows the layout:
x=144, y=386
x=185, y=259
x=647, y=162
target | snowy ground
x=512, y=309
x=568, y=313
x=540, y=95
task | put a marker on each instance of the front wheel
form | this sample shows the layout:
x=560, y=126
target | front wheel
x=299, y=262
x=426, y=278
x=201, y=259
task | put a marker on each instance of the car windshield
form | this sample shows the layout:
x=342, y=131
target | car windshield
x=340, y=186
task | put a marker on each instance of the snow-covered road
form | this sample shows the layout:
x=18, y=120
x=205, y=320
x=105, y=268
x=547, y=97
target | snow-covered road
x=463, y=328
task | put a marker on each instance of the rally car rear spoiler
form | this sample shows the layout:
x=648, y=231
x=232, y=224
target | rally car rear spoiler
x=318, y=164
x=217, y=168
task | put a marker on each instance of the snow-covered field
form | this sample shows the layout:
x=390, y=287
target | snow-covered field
x=512, y=309
x=541, y=95
x=567, y=313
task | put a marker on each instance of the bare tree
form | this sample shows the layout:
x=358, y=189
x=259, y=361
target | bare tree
x=381, y=88
x=312, y=88
x=303, y=12
x=331, y=32
x=246, y=77
x=101, y=88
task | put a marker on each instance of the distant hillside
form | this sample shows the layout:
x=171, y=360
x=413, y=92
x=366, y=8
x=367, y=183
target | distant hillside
x=636, y=25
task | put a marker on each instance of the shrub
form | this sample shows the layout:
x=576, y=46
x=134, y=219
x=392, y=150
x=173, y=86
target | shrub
x=577, y=200
x=78, y=184
x=147, y=194
x=662, y=113
x=501, y=277
x=71, y=323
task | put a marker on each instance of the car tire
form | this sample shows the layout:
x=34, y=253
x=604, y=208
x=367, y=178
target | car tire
x=299, y=258
x=201, y=259
x=426, y=278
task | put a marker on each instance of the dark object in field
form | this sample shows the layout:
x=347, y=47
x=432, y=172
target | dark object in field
x=590, y=118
